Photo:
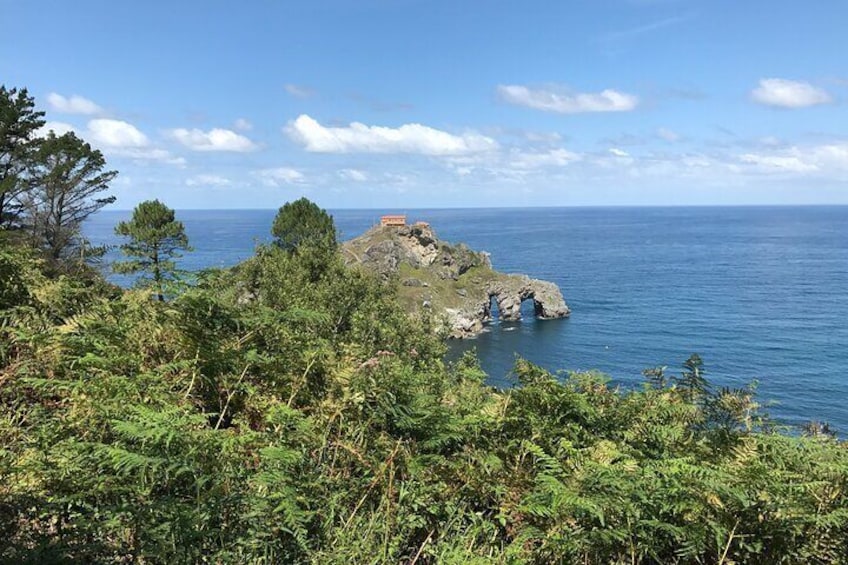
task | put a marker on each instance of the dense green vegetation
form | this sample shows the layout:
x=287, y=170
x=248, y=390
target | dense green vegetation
x=290, y=411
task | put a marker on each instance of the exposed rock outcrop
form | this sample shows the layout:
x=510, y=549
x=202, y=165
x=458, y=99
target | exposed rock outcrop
x=384, y=249
x=452, y=281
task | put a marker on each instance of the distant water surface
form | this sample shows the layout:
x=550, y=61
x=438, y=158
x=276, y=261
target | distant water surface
x=758, y=292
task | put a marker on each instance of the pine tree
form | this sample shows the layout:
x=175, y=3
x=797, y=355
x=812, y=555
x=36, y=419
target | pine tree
x=303, y=223
x=68, y=178
x=156, y=238
x=18, y=124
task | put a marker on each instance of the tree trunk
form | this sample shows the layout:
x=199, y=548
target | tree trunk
x=157, y=275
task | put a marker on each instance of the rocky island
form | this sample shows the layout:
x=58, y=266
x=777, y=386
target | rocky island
x=453, y=281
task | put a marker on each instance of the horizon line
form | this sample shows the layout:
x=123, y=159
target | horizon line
x=396, y=208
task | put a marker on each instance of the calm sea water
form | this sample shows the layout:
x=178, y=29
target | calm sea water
x=758, y=292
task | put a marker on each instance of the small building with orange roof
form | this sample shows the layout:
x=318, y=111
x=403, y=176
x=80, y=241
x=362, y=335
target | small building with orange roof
x=393, y=220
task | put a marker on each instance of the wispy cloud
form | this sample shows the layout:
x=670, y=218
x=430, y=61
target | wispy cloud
x=279, y=176
x=207, y=180
x=379, y=105
x=788, y=163
x=526, y=159
x=243, y=124
x=681, y=93
x=353, y=174
x=561, y=100
x=299, y=91
x=741, y=163
x=626, y=139
x=644, y=29
x=828, y=159
x=668, y=135
x=653, y=2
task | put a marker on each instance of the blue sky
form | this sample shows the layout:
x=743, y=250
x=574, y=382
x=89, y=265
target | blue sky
x=408, y=103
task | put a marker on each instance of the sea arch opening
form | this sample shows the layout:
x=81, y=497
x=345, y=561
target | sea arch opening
x=512, y=308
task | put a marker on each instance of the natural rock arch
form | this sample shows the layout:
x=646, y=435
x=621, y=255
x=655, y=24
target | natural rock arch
x=509, y=294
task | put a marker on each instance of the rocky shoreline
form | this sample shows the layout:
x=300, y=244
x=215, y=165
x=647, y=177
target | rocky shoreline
x=454, y=282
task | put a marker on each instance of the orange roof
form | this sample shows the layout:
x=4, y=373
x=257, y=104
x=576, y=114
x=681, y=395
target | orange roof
x=393, y=220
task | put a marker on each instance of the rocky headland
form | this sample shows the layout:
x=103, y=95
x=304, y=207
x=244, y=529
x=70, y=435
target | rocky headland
x=456, y=283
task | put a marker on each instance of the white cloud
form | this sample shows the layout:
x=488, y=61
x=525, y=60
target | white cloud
x=784, y=93
x=116, y=134
x=833, y=154
x=825, y=161
x=770, y=141
x=786, y=163
x=122, y=139
x=207, y=180
x=408, y=138
x=148, y=154
x=353, y=174
x=829, y=159
x=668, y=135
x=398, y=180
x=542, y=137
x=116, y=138
x=563, y=101
x=59, y=128
x=279, y=176
x=213, y=140
x=534, y=160
x=514, y=164
x=299, y=91
x=243, y=124
x=741, y=165
x=72, y=105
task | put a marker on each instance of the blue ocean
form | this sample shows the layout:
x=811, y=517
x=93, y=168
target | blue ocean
x=758, y=292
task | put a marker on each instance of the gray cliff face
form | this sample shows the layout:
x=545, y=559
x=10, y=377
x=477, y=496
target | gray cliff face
x=451, y=281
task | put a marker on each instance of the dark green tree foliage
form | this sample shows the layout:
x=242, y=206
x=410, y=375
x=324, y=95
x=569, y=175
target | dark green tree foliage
x=68, y=182
x=156, y=238
x=692, y=380
x=302, y=223
x=19, y=122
